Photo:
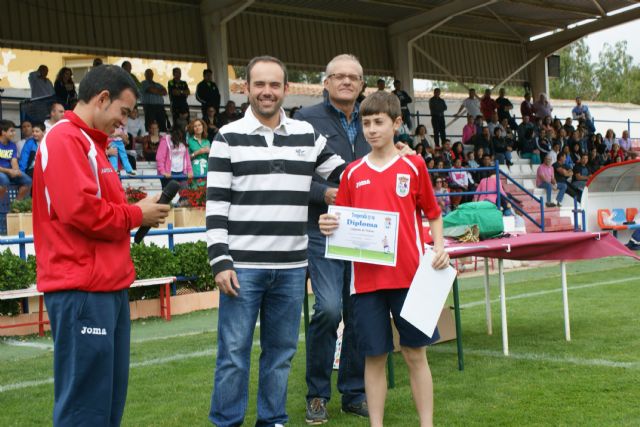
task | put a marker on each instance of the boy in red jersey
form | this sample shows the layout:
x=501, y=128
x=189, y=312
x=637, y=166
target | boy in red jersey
x=382, y=180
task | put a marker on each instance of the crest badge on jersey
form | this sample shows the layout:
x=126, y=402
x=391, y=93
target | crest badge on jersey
x=402, y=184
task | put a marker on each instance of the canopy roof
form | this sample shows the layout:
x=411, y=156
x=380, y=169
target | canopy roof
x=616, y=177
x=481, y=41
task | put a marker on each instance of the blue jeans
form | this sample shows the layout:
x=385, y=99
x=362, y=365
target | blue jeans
x=122, y=154
x=22, y=180
x=562, y=187
x=330, y=280
x=277, y=295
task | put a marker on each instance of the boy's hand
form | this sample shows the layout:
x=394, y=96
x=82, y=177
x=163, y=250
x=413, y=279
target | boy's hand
x=440, y=258
x=227, y=282
x=404, y=149
x=328, y=223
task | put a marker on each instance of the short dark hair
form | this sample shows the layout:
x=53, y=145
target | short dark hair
x=111, y=78
x=381, y=81
x=53, y=104
x=5, y=125
x=207, y=71
x=40, y=126
x=381, y=103
x=176, y=69
x=266, y=58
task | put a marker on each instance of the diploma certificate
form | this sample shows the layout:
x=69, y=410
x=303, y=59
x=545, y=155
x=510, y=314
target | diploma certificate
x=364, y=235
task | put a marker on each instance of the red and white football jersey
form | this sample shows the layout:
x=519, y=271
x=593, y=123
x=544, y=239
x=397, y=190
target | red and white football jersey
x=402, y=186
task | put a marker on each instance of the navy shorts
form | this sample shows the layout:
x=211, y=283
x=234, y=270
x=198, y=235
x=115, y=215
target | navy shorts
x=371, y=320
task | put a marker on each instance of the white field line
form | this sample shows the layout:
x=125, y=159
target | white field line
x=30, y=344
x=551, y=291
x=539, y=357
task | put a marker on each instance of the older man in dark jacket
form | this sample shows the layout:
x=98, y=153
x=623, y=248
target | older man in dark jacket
x=338, y=119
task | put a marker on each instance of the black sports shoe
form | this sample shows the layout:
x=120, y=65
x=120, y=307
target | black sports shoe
x=359, y=409
x=316, y=411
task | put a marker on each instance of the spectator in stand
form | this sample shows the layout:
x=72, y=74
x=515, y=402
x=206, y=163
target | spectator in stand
x=483, y=140
x=469, y=130
x=153, y=94
x=561, y=138
x=442, y=195
x=40, y=85
x=135, y=129
x=178, y=91
x=471, y=104
x=9, y=170
x=27, y=160
x=460, y=181
x=26, y=130
x=211, y=119
x=405, y=100
x=118, y=139
x=564, y=174
x=543, y=143
x=547, y=124
x=494, y=123
x=545, y=178
x=576, y=152
x=199, y=147
x=490, y=184
x=501, y=148
x=471, y=160
x=65, y=88
x=230, y=114
x=431, y=163
x=542, y=106
x=567, y=152
x=480, y=123
x=526, y=107
x=555, y=150
x=447, y=153
x=523, y=127
x=150, y=142
x=568, y=126
x=382, y=85
x=97, y=62
x=420, y=151
x=486, y=162
x=529, y=148
x=609, y=139
x=126, y=65
x=626, y=146
x=581, y=174
x=437, y=107
x=421, y=138
x=56, y=113
x=582, y=114
x=488, y=105
x=504, y=109
x=458, y=152
x=616, y=151
x=595, y=160
x=207, y=93
x=506, y=130
x=439, y=161
x=172, y=158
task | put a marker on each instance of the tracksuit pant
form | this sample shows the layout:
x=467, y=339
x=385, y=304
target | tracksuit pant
x=91, y=333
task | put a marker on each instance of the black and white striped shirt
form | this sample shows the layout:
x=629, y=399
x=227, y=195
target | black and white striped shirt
x=258, y=192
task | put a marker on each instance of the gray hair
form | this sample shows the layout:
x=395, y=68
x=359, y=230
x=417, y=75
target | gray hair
x=343, y=57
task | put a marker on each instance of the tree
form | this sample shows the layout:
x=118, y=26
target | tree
x=614, y=73
x=576, y=73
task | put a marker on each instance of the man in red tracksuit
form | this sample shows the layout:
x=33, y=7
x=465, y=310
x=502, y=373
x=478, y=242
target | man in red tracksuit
x=81, y=226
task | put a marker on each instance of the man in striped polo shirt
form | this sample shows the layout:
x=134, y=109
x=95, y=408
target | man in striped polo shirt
x=260, y=170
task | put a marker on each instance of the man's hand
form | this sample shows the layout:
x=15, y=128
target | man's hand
x=227, y=282
x=330, y=196
x=167, y=175
x=404, y=149
x=328, y=223
x=440, y=258
x=153, y=213
x=14, y=173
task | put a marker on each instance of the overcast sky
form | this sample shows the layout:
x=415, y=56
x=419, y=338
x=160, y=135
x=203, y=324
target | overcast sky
x=626, y=32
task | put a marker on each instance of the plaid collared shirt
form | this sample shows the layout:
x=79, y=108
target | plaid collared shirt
x=351, y=128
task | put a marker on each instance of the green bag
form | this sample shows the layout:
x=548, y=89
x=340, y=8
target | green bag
x=484, y=214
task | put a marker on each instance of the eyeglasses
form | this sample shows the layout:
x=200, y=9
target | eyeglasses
x=341, y=77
